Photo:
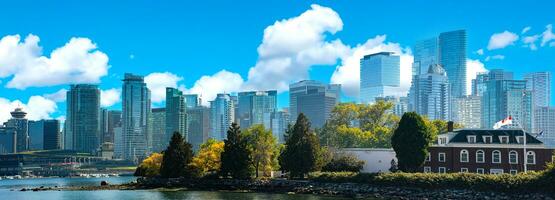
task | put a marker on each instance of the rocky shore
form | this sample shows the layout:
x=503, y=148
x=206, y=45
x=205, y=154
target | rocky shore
x=306, y=187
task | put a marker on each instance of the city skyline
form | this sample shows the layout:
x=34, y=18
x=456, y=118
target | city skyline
x=502, y=45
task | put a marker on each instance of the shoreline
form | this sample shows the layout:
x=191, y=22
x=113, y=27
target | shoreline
x=276, y=186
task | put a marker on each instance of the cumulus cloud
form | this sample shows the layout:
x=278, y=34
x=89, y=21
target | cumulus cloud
x=530, y=41
x=525, y=30
x=480, y=52
x=157, y=83
x=59, y=96
x=37, y=107
x=473, y=67
x=110, y=97
x=222, y=82
x=78, y=61
x=547, y=35
x=291, y=46
x=348, y=72
x=502, y=40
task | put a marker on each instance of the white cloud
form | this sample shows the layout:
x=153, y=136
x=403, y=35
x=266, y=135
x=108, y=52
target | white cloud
x=530, y=41
x=157, y=83
x=59, y=96
x=472, y=68
x=78, y=61
x=495, y=57
x=110, y=97
x=480, y=52
x=291, y=46
x=547, y=35
x=348, y=73
x=525, y=30
x=501, y=40
x=37, y=108
x=209, y=86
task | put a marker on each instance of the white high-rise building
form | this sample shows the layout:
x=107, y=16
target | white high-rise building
x=467, y=111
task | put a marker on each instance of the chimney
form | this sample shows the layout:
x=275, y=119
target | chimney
x=450, y=126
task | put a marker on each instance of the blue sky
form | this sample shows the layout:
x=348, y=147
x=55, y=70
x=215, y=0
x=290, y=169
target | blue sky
x=180, y=42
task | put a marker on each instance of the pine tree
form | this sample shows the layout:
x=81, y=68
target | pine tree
x=302, y=150
x=236, y=161
x=410, y=141
x=177, y=157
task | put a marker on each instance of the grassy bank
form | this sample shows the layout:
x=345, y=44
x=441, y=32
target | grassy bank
x=529, y=182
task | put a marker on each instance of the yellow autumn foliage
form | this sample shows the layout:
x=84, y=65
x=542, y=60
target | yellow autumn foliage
x=208, y=158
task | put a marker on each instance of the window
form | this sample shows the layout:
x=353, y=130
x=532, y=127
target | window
x=441, y=157
x=487, y=139
x=464, y=170
x=480, y=156
x=480, y=170
x=513, y=157
x=513, y=171
x=520, y=139
x=429, y=157
x=427, y=169
x=471, y=138
x=504, y=139
x=496, y=156
x=464, y=155
x=530, y=157
x=496, y=171
x=441, y=170
x=442, y=140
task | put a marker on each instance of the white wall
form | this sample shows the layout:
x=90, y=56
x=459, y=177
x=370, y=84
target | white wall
x=375, y=160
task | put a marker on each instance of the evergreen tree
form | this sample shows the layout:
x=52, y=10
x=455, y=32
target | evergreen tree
x=302, y=150
x=176, y=158
x=410, y=141
x=235, y=158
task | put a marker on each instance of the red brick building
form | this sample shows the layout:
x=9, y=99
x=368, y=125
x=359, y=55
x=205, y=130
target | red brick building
x=486, y=151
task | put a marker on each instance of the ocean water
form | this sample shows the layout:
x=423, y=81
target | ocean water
x=9, y=190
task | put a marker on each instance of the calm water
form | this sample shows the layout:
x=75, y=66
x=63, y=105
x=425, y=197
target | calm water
x=6, y=187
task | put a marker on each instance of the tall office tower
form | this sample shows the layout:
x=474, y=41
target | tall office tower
x=279, y=124
x=104, y=115
x=192, y=100
x=176, y=114
x=540, y=85
x=157, y=135
x=83, y=118
x=44, y=135
x=315, y=99
x=198, y=121
x=467, y=111
x=136, y=108
x=8, y=140
x=118, y=142
x=222, y=114
x=505, y=98
x=36, y=135
x=21, y=125
x=114, y=121
x=379, y=76
x=452, y=57
x=544, y=123
x=425, y=54
x=480, y=82
x=431, y=94
x=254, y=105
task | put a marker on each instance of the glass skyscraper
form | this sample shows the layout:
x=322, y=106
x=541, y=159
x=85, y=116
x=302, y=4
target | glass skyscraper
x=82, y=132
x=198, y=122
x=432, y=97
x=505, y=98
x=176, y=115
x=157, y=134
x=544, y=121
x=540, y=84
x=279, y=124
x=192, y=100
x=222, y=114
x=254, y=106
x=136, y=108
x=379, y=76
x=452, y=57
x=315, y=99
x=425, y=54
x=467, y=111
x=44, y=134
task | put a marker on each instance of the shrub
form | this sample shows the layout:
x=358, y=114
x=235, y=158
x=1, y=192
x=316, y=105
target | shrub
x=344, y=163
